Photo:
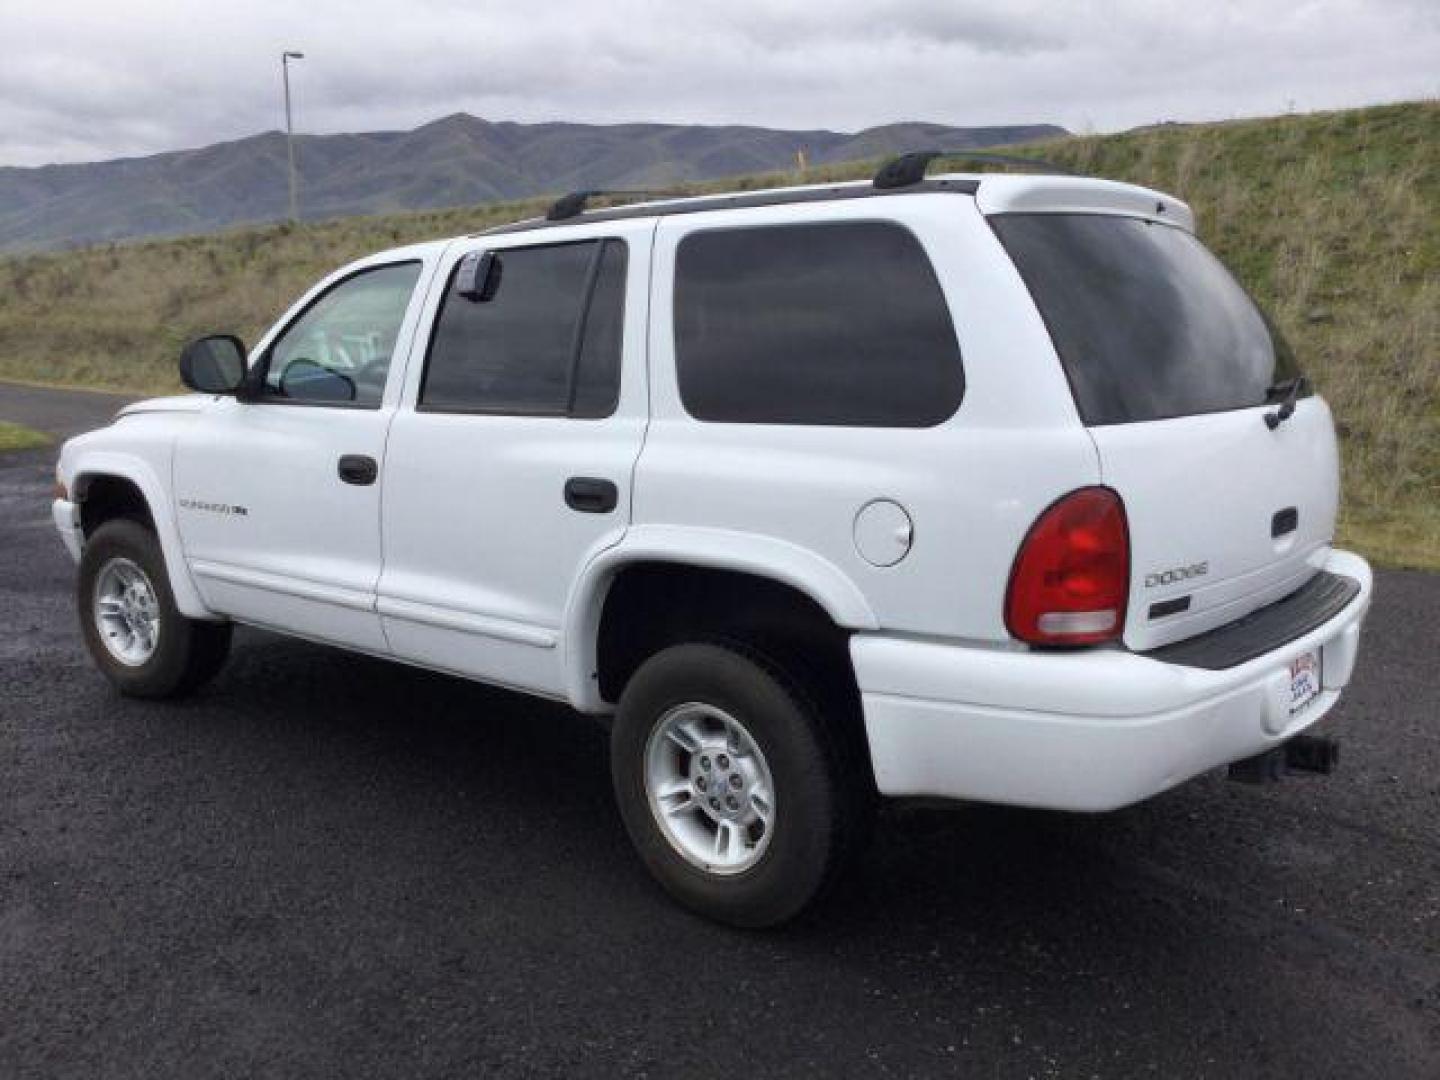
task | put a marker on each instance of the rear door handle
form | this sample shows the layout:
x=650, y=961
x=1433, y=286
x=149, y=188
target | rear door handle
x=358, y=469
x=591, y=495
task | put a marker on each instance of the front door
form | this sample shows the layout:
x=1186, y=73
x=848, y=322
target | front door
x=278, y=498
x=512, y=469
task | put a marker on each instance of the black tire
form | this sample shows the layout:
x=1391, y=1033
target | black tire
x=187, y=653
x=820, y=804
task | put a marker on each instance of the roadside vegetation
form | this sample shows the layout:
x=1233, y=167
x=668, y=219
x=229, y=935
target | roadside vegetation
x=1331, y=219
x=15, y=437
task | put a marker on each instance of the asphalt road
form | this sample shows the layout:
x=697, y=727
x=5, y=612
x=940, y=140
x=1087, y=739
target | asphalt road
x=326, y=865
x=59, y=413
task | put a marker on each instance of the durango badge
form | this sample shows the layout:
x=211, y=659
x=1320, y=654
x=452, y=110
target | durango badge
x=214, y=507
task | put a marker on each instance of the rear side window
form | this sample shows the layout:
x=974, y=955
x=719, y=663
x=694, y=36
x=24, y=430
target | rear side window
x=547, y=342
x=839, y=323
x=1148, y=323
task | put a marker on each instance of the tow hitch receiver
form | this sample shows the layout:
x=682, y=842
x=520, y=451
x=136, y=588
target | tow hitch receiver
x=1303, y=753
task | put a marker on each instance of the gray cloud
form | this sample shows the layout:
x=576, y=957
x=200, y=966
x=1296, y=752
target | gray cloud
x=87, y=80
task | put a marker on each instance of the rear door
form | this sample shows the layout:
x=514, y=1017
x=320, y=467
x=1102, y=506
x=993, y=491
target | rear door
x=509, y=466
x=1174, y=370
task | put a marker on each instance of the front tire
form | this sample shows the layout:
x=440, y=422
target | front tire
x=733, y=788
x=132, y=628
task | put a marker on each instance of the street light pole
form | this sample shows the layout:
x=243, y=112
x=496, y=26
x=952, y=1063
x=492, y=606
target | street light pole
x=285, y=58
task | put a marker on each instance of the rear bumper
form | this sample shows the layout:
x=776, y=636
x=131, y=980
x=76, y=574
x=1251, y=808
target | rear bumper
x=1086, y=730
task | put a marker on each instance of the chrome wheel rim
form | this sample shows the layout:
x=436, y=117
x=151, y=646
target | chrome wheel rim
x=709, y=788
x=127, y=612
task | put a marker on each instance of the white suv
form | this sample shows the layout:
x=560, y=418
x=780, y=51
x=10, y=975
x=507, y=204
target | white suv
x=989, y=487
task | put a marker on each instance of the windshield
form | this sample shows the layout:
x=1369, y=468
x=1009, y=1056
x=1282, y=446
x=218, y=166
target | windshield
x=1148, y=323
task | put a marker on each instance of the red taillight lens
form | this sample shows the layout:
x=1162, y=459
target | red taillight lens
x=1071, y=578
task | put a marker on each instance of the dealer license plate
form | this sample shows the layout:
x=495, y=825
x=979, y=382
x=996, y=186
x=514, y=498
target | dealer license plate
x=1304, y=680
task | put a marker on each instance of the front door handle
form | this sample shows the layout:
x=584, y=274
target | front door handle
x=358, y=469
x=591, y=495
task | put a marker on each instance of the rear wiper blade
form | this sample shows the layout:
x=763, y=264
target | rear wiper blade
x=1291, y=389
x=1280, y=390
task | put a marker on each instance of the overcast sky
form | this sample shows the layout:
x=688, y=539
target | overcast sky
x=88, y=79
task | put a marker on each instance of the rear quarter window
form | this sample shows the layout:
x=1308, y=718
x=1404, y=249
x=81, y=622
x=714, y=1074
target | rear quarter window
x=1148, y=323
x=833, y=323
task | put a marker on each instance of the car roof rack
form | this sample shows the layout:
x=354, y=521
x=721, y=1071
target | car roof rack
x=570, y=209
x=910, y=168
x=907, y=170
x=573, y=204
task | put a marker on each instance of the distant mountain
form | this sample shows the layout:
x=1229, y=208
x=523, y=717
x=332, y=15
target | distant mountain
x=460, y=160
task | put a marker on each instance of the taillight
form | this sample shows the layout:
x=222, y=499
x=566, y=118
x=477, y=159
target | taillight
x=1071, y=577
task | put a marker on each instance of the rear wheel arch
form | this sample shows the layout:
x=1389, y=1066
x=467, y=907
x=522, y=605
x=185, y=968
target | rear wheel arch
x=830, y=594
x=651, y=605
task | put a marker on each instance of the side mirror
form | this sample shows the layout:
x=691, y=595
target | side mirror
x=478, y=278
x=213, y=365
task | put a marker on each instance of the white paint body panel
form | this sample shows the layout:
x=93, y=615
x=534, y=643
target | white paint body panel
x=1205, y=490
x=305, y=556
x=971, y=485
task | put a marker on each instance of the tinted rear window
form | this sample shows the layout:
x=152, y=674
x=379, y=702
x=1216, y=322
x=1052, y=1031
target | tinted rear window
x=826, y=323
x=1148, y=323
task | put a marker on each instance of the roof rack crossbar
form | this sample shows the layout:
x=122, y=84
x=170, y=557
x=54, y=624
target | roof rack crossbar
x=910, y=168
x=573, y=204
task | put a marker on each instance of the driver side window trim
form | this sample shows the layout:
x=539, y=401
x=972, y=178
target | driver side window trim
x=256, y=380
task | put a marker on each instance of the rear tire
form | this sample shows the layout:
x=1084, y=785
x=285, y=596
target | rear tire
x=760, y=738
x=132, y=628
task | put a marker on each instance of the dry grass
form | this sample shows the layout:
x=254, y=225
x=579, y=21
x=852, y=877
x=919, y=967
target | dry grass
x=1331, y=219
x=15, y=437
x=116, y=316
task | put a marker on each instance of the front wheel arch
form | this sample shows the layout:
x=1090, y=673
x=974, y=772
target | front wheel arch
x=104, y=497
x=147, y=500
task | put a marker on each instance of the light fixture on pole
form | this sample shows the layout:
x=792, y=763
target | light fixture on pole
x=285, y=58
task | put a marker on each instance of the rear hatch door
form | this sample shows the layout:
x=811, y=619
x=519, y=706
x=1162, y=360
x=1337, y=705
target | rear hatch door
x=1174, y=370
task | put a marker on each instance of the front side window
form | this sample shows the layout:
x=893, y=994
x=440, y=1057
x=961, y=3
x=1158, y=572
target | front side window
x=838, y=323
x=338, y=351
x=545, y=340
x=1148, y=323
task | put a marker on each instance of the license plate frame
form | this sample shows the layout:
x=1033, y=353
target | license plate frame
x=1305, y=679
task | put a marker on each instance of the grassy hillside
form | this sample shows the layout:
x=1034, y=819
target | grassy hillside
x=1332, y=219
x=16, y=437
